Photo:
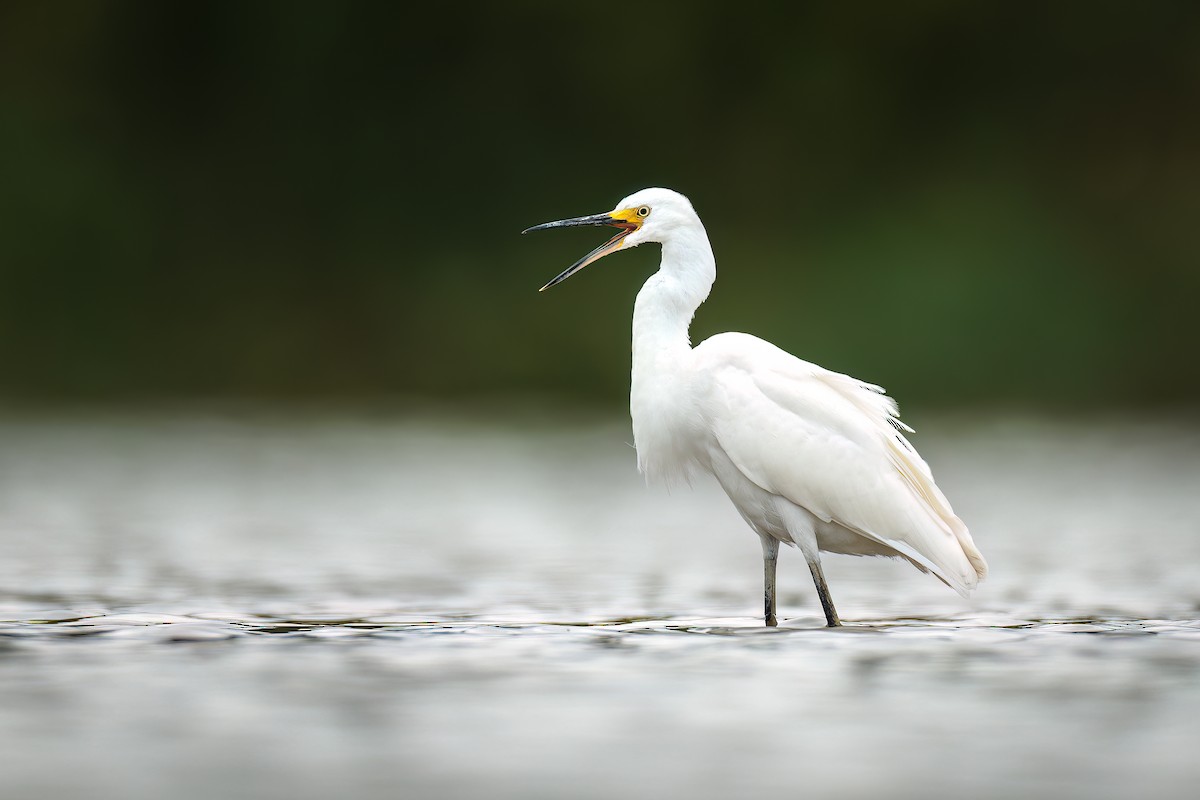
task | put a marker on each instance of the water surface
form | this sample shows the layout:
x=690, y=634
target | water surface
x=197, y=607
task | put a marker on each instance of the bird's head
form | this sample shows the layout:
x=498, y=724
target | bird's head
x=650, y=215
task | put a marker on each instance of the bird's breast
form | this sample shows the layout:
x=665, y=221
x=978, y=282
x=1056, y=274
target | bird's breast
x=665, y=425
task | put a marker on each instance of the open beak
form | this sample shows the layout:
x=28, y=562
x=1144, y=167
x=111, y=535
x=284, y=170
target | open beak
x=627, y=227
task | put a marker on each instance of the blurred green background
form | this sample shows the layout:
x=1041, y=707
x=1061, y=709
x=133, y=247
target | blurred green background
x=972, y=204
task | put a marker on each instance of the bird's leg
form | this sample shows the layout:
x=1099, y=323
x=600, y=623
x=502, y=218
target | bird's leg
x=770, y=546
x=831, y=615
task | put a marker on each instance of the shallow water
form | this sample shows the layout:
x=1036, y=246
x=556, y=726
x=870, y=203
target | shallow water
x=197, y=607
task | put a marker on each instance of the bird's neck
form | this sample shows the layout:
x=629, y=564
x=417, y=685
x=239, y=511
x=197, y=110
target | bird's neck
x=659, y=388
x=669, y=299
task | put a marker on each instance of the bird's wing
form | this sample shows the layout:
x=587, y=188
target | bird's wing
x=833, y=445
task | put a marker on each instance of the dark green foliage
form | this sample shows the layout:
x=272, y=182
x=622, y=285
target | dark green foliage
x=965, y=203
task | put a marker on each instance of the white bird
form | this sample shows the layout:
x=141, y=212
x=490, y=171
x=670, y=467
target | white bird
x=811, y=458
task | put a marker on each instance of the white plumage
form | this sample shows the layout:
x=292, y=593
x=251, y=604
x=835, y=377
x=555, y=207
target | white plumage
x=809, y=457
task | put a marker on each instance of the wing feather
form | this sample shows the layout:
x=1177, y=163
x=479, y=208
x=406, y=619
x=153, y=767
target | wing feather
x=832, y=445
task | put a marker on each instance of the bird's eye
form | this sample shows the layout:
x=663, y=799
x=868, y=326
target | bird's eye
x=644, y=211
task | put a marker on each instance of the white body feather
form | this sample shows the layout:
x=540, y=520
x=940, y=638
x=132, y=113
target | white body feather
x=809, y=457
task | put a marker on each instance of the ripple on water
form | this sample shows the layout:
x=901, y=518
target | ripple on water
x=60, y=623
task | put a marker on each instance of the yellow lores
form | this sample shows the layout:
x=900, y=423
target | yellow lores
x=633, y=216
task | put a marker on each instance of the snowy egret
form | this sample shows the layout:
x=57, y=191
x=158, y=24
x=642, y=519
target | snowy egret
x=810, y=458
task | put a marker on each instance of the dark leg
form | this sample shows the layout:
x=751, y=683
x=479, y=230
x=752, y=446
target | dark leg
x=831, y=615
x=770, y=547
